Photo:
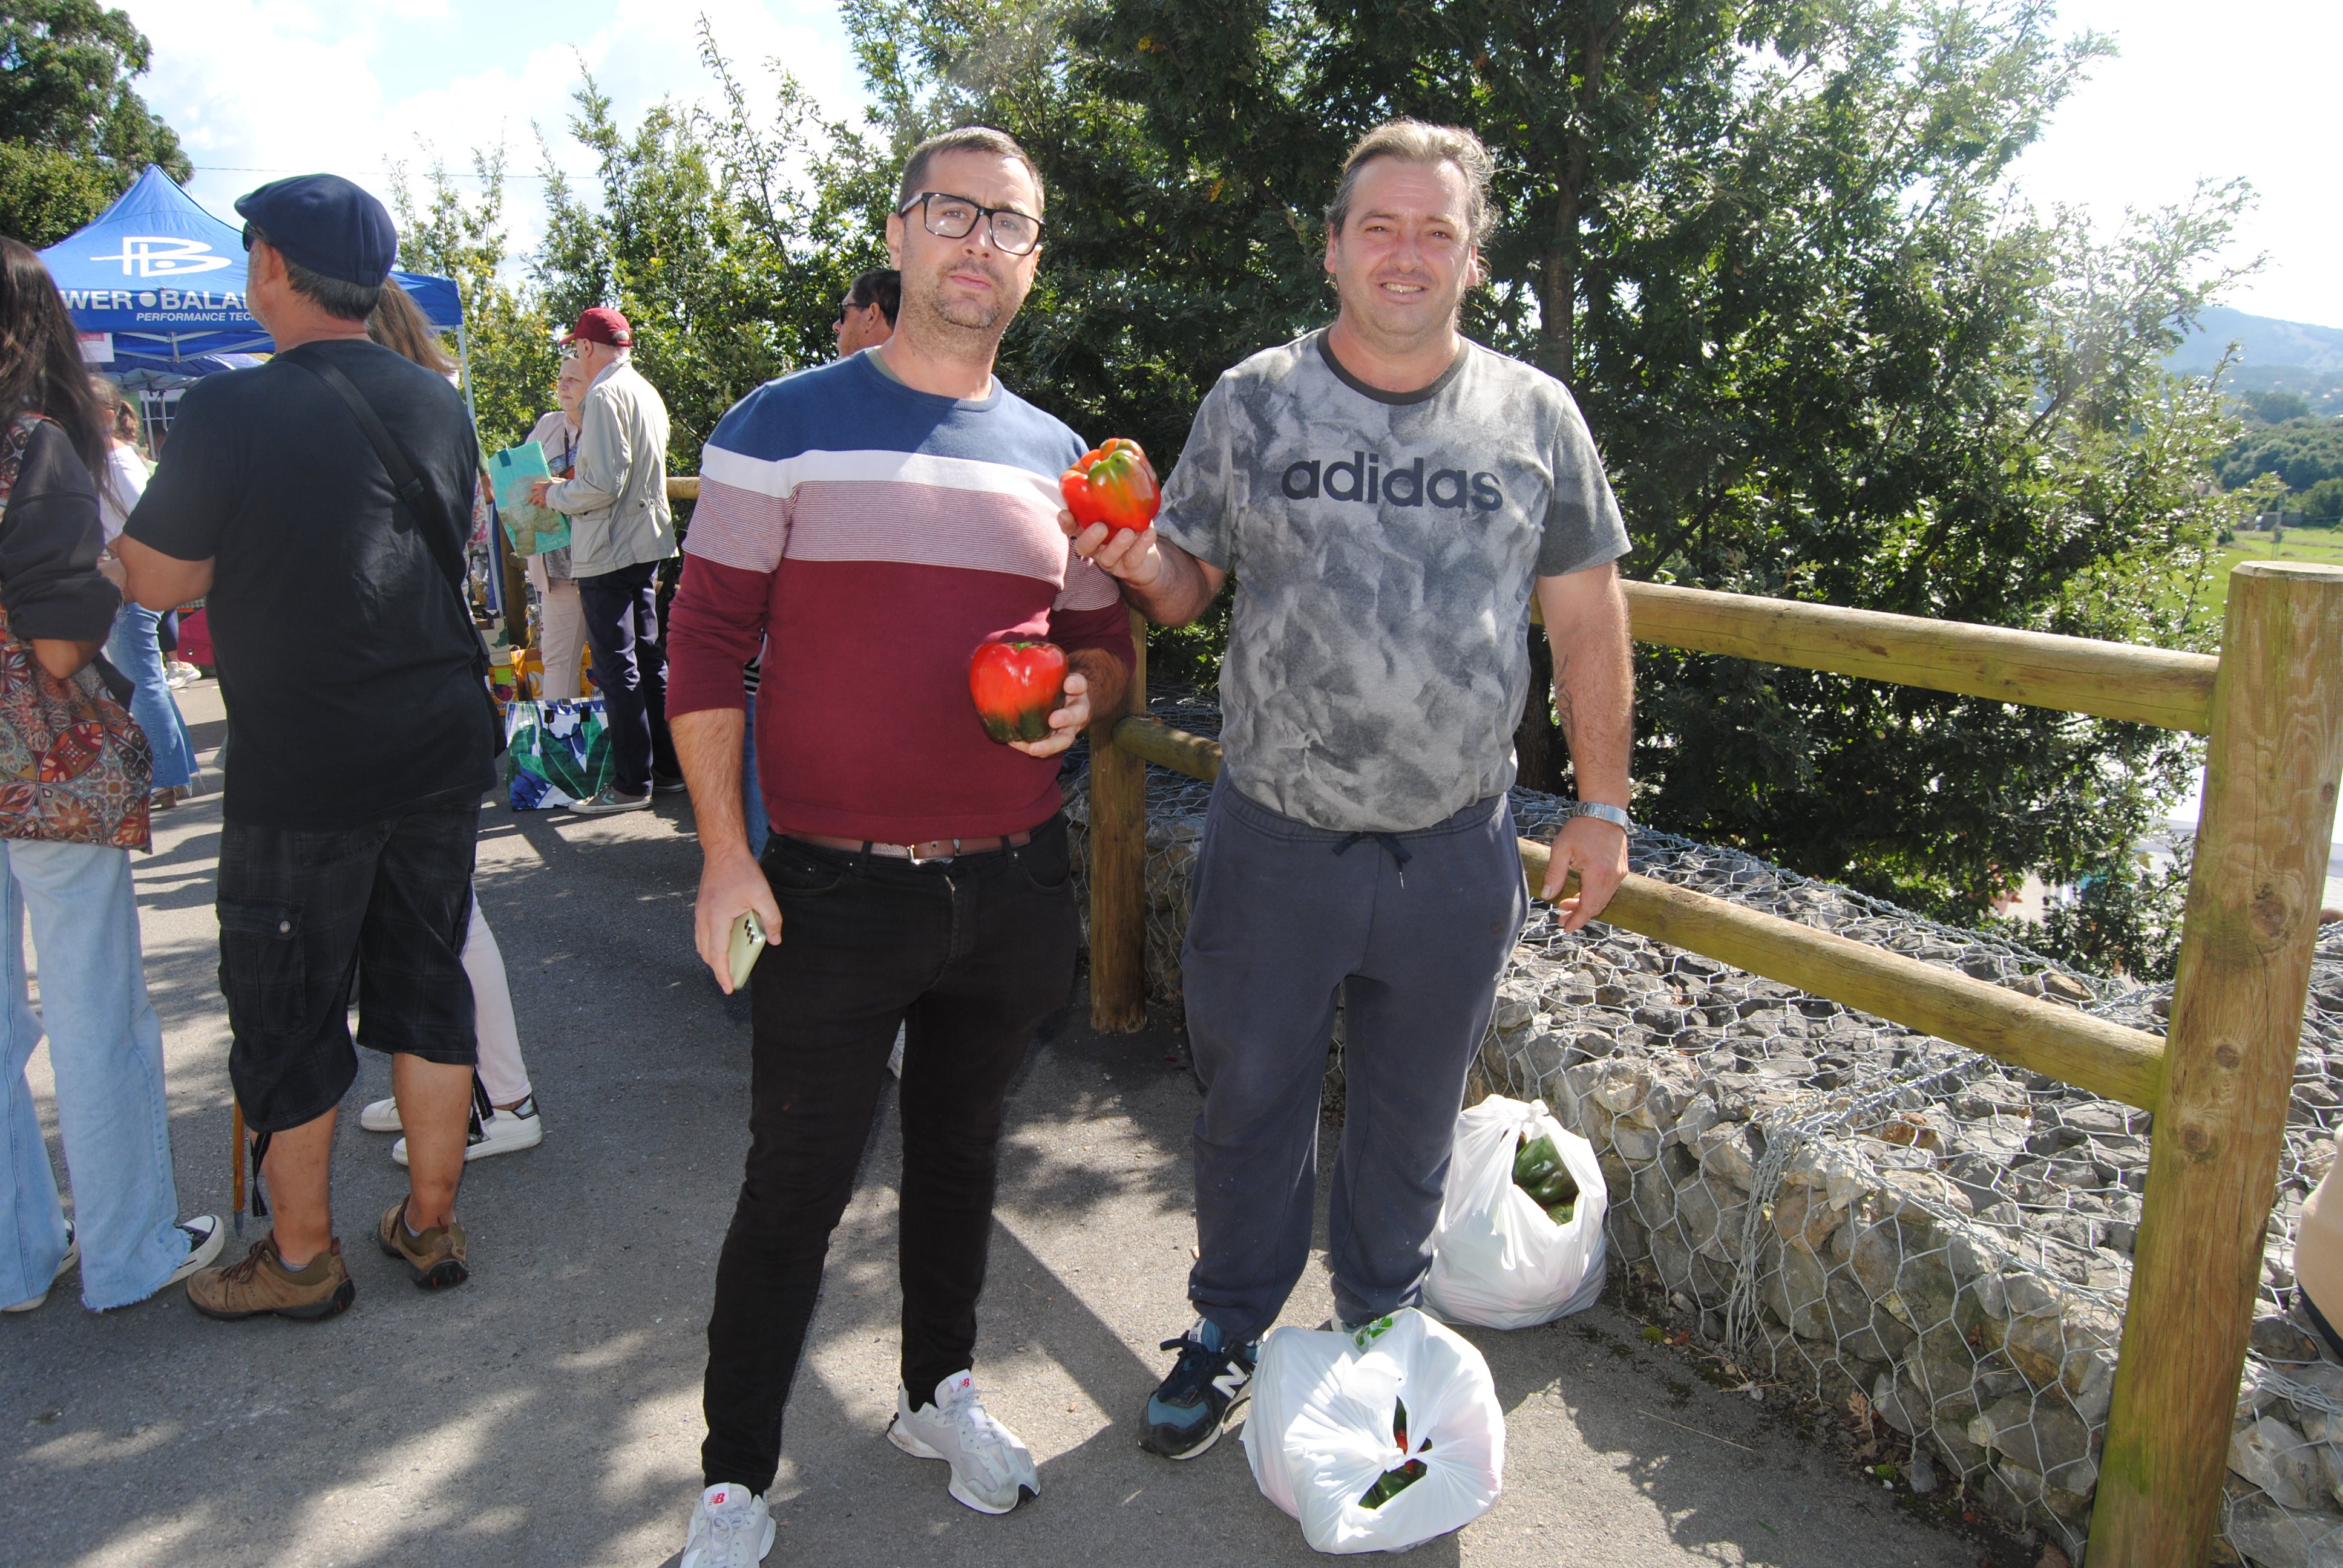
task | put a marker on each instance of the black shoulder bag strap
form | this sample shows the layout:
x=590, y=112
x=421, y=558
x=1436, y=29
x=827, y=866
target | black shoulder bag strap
x=412, y=494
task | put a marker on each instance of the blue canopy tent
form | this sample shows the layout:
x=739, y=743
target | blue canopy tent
x=155, y=287
x=157, y=283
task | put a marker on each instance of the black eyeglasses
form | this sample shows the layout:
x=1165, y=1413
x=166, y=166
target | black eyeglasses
x=955, y=217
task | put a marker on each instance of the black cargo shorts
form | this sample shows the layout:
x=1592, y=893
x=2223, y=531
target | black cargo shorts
x=303, y=916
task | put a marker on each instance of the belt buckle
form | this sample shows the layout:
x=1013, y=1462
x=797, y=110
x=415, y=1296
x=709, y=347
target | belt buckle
x=919, y=859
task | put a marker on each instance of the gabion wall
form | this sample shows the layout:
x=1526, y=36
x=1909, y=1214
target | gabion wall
x=1891, y=1223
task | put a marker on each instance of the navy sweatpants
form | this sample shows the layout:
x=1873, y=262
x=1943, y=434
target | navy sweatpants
x=1412, y=931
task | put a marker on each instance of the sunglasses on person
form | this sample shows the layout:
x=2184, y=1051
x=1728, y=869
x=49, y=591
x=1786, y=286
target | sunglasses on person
x=955, y=217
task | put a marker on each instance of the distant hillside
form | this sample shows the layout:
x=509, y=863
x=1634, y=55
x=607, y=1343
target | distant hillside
x=2263, y=343
x=2272, y=356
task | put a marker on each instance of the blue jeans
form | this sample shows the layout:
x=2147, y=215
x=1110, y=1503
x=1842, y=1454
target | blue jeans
x=621, y=609
x=105, y=1048
x=133, y=650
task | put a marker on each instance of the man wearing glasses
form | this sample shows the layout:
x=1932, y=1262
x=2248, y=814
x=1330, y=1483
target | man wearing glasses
x=879, y=518
x=866, y=316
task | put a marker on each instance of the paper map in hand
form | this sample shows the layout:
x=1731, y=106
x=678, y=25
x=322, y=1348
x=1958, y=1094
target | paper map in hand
x=533, y=529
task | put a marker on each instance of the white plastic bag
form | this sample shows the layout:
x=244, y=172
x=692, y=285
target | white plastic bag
x=1319, y=1436
x=1497, y=1258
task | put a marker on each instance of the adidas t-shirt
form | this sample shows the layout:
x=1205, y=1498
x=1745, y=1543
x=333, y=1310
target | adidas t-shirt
x=1384, y=547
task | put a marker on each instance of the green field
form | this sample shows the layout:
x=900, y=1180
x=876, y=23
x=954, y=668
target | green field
x=2324, y=546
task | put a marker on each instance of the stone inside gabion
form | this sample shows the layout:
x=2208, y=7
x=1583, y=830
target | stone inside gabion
x=1886, y=1222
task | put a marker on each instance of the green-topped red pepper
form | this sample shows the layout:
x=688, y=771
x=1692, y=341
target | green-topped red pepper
x=1114, y=485
x=1017, y=685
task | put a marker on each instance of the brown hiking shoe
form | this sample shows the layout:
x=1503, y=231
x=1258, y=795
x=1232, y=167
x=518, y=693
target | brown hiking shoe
x=434, y=1260
x=260, y=1283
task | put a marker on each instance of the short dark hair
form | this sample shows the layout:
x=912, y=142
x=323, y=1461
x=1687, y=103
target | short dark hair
x=881, y=287
x=337, y=296
x=965, y=139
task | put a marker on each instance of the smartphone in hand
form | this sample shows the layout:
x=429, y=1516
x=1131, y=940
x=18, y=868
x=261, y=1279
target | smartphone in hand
x=748, y=941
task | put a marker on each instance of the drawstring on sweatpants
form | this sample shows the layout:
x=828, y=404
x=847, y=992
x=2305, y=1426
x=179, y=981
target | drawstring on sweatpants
x=1390, y=841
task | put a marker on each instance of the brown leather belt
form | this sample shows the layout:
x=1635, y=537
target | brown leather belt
x=930, y=850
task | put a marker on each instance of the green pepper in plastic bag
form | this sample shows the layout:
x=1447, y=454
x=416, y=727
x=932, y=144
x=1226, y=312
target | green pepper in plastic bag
x=1536, y=1162
x=1539, y=1171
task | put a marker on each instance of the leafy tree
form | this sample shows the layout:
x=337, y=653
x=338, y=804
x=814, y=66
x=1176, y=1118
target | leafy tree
x=2276, y=407
x=2323, y=502
x=507, y=338
x=2301, y=452
x=73, y=134
x=2124, y=917
x=728, y=265
x=1763, y=244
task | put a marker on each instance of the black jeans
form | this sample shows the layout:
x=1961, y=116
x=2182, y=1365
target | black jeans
x=621, y=614
x=305, y=915
x=970, y=954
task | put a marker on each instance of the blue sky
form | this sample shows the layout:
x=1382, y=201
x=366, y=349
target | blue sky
x=278, y=85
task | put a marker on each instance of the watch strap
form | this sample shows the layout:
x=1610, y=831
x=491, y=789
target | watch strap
x=1614, y=815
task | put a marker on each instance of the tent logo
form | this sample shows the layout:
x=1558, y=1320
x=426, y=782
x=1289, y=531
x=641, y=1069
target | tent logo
x=159, y=255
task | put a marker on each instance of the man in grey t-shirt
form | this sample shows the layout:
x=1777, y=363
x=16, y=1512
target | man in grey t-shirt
x=1388, y=496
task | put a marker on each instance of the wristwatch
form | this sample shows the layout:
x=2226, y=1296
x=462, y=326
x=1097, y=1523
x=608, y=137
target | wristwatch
x=1616, y=815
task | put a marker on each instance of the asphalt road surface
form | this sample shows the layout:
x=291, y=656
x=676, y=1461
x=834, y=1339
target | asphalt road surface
x=548, y=1411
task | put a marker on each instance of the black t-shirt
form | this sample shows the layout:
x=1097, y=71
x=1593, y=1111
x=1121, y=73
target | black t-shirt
x=345, y=656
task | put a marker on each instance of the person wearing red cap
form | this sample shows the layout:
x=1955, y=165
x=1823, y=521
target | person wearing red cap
x=620, y=531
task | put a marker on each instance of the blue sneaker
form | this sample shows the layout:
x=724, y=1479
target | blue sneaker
x=1201, y=1399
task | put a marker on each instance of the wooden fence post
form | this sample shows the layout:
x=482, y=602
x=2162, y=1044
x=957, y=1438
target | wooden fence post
x=1118, y=862
x=2276, y=751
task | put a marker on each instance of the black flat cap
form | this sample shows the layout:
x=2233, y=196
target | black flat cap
x=326, y=223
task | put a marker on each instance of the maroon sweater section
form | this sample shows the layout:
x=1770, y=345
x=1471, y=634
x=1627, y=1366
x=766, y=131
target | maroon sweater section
x=865, y=729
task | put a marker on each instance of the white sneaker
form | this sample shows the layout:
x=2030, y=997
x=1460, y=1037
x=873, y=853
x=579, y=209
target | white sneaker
x=504, y=1132
x=732, y=1528
x=992, y=1470
x=381, y=1116
x=73, y=1256
x=206, y=1235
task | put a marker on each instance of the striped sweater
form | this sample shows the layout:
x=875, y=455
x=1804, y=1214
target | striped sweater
x=868, y=536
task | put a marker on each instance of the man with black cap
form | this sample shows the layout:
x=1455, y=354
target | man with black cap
x=620, y=531
x=321, y=501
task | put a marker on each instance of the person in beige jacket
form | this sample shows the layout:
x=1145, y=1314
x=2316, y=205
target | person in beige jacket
x=620, y=531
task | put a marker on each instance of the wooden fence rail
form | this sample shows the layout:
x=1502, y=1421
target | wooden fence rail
x=2041, y=1037
x=2106, y=680
x=2219, y=1084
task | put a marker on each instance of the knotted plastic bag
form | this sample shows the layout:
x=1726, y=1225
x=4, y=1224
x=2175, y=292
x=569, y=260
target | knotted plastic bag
x=1499, y=1260
x=1321, y=1433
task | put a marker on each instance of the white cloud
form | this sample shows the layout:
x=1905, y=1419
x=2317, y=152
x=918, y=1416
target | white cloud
x=258, y=89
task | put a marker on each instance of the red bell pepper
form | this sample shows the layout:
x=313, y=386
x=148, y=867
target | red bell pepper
x=1017, y=685
x=1114, y=485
